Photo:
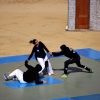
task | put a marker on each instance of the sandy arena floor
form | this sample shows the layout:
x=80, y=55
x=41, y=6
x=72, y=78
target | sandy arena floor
x=44, y=20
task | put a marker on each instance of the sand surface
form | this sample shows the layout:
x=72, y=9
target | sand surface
x=44, y=20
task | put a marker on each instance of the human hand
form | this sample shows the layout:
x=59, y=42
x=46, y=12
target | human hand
x=71, y=58
x=51, y=53
x=44, y=82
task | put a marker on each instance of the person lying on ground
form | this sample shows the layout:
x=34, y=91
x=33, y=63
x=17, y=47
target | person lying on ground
x=31, y=74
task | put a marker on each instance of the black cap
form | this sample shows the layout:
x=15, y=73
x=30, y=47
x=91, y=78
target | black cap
x=63, y=47
x=38, y=68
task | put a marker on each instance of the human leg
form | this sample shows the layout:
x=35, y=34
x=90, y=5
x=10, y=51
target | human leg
x=19, y=75
x=49, y=67
x=42, y=63
x=66, y=64
x=84, y=67
x=78, y=63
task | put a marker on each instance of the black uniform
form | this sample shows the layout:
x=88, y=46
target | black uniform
x=32, y=74
x=39, y=51
x=73, y=57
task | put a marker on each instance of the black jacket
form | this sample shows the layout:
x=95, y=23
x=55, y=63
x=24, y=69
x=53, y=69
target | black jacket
x=39, y=51
x=68, y=52
x=32, y=73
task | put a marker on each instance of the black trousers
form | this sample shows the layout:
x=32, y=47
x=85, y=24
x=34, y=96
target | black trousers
x=74, y=60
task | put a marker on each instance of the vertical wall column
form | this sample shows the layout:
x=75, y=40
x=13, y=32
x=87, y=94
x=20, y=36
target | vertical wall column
x=71, y=14
x=98, y=14
x=95, y=14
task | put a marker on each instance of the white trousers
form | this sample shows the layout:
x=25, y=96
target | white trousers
x=19, y=74
x=42, y=63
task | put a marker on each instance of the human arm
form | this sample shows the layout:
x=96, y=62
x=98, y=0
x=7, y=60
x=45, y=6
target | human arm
x=57, y=53
x=27, y=65
x=46, y=49
x=37, y=81
x=30, y=56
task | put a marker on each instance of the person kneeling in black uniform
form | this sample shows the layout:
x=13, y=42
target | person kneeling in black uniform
x=31, y=75
x=73, y=56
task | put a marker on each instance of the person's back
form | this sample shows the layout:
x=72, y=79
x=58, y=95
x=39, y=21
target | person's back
x=68, y=52
x=32, y=73
x=28, y=76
